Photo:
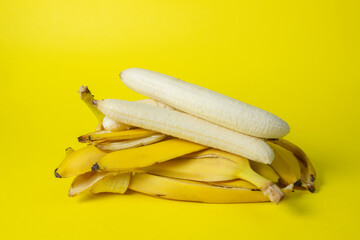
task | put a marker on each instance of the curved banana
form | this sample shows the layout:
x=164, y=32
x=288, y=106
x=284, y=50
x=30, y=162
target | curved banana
x=260, y=168
x=213, y=170
x=79, y=161
x=185, y=126
x=286, y=166
x=300, y=154
x=184, y=190
x=134, y=158
x=307, y=170
x=206, y=104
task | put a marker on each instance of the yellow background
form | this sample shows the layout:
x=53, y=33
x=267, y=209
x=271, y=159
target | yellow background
x=297, y=59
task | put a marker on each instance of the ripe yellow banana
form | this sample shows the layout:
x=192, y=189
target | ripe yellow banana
x=260, y=168
x=307, y=170
x=300, y=154
x=134, y=158
x=286, y=166
x=79, y=161
x=177, y=189
x=115, y=136
x=213, y=170
x=184, y=126
x=206, y=104
x=116, y=146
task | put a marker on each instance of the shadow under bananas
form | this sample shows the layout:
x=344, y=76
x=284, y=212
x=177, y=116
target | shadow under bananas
x=90, y=197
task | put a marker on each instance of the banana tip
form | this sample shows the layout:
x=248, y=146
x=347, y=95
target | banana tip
x=57, y=174
x=311, y=188
x=121, y=75
x=95, y=167
x=84, y=138
x=71, y=193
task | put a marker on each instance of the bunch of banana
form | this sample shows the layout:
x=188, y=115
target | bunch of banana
x=185, y=143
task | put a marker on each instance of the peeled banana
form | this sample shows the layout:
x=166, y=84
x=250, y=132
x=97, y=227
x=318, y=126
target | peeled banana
x=185, y=126
x=206, y=104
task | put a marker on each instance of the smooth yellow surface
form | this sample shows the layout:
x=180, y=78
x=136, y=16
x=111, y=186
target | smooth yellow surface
x=297, y=59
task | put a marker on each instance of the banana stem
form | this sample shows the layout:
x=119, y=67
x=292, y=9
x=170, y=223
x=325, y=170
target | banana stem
x=87, y=98
x=269, y=188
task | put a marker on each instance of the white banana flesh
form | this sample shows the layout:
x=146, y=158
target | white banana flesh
x=185, y=126
x=111, y=125
x=206, y=104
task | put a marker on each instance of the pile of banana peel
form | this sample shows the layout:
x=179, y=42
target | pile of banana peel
x=187, y=143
